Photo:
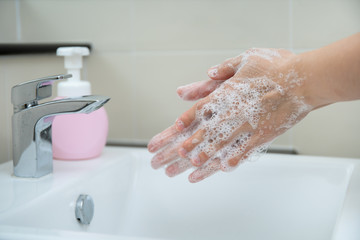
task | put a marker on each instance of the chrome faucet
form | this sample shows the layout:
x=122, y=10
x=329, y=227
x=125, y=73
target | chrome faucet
x=31, y=123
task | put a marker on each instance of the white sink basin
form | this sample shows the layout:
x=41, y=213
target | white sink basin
x=277, y=197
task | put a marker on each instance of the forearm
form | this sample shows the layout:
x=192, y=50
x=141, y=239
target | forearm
x=332, y=73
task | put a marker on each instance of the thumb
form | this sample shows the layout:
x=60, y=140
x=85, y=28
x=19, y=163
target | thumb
x=224, y=70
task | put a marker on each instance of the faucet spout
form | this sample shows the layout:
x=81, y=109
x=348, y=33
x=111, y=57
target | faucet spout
x=32, y=145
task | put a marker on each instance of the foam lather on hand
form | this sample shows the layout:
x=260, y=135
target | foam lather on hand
x=243, y=115
x=235, y=103
x=238, y=102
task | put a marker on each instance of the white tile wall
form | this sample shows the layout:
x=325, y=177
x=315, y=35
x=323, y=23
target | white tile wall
x=321, y=22
x=7, y=21
x=330, y=131
x=202, y=24
x=144, y=49
x=157, y=83
x=4, y=119
x=107, y=24
x=111, y=74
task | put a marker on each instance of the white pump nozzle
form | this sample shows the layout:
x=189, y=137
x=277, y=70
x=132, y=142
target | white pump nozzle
x=73, y=87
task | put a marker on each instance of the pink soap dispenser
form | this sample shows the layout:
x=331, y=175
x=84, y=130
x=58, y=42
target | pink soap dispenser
x=77, y=136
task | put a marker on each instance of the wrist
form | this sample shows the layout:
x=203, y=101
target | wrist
x=331, y=74
x=313, y=87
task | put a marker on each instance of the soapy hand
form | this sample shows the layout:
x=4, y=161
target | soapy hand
x=218, y=74
x=250, y=100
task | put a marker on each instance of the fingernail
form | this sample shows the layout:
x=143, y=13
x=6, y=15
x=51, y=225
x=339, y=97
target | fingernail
x=183, y=152
x=179, y=125
x=180, y=88
x=153, y=143
x=157, y=161
x=196, y=161
x=158, y=157
x=213, y=72
x=155, y=165
x=179, y=91
x=171, y=171
x=151, y=147
x=194, y=177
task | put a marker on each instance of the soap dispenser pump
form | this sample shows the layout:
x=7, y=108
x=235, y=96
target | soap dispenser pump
x=77, y=136
x=73, y=87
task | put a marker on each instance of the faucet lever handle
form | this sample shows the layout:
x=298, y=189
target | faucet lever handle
x=29, y=93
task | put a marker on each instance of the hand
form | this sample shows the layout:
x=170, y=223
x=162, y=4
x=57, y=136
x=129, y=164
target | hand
x=218, y=74
x=262, y=98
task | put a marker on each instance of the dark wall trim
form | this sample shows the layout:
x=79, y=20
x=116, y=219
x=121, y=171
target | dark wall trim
x=144, y=145
x=35, y=48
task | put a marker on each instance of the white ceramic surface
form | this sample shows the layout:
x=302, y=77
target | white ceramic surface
x=276, y=197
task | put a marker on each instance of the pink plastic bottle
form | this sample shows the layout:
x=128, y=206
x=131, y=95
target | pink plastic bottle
x=77, y=136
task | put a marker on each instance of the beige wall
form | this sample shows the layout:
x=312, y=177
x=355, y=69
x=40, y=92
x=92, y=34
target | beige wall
x=144, y=49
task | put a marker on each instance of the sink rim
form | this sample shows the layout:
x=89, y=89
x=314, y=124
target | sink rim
x=341, y=226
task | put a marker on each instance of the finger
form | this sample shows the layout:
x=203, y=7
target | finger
x=205, y=171
x=216, y=143
x=191, y=143
x=178, y=167
x=165, y=156
x=224, y=70
x=198, y=90
x=199, y=159
x=186, y=119
x=233, y=161
x=162, y=139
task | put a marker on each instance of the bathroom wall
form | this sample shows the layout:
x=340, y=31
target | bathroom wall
x=144, y=49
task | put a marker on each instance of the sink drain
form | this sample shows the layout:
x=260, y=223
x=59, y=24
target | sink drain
x=84, y=209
